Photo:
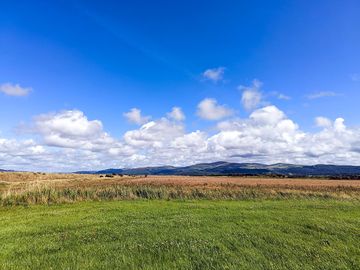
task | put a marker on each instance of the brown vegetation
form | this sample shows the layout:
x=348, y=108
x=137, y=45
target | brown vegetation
x=28, y=188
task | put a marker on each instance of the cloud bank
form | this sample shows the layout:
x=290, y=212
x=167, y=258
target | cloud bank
x=69, y=141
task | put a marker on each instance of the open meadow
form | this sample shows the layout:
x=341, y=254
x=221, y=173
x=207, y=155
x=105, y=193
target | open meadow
x=41, y=188
x=69, y=221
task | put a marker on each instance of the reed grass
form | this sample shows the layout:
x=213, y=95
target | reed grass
x=39, y=193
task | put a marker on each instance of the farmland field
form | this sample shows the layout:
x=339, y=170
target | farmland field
x=55, y=221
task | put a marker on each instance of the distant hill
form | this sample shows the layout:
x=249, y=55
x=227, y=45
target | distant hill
x=6, y=170
x=227, y=168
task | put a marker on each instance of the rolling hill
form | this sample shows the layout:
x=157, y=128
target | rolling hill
x=226, y=168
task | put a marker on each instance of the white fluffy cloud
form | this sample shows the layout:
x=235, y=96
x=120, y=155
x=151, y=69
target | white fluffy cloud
x=214, y=74
x=134, y=116
x=11, y=89
x=176, y=114
x=208, y=109
x=251, y=95
x=71, y=129
x=154, y=134
x=266, y=133
x=69, y=141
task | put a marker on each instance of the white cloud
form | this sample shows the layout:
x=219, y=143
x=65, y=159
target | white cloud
x=270, y=137
x=69, y=141
x=209, y=109
x=251, y=95
x=323, y=122
x=154, y=134
x=267, y=115
x=134, y=116
x=188, y=141
x=267, y=133
x=72, y=129
x=339, y=125
x=283, y=97
x=214, y=74
x=322, y=94
x=11, y=89
x=176, y=114
x=68, y=124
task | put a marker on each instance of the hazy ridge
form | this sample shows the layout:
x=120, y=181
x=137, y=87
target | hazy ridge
x=227, y=168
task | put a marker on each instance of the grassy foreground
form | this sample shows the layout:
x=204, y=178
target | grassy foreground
x=158, y=234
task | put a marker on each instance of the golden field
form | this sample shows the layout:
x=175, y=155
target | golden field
x=20, y=180
x=34, y=188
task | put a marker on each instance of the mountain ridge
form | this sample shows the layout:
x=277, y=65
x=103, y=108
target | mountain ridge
x=230, y=168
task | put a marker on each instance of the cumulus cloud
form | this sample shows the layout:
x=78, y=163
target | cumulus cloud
x=251, y=95
x=11, y=89
x=267, y=132
x=214, y=74
x=268, y=136
x=32, y=156
x=68, y=141
x=267, y=115
x=68, y=124
x=188, y=141
x=71, y=129
x=322, y=94
x=154, y=134
x=176, y=114
x=208, y=109
x=134, y=116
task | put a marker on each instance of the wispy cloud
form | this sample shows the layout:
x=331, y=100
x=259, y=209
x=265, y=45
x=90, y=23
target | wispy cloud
x=322, y=122
x=283, y=97
x=322, y=94
x=251, y=97
x=279, y=95
x=16, y=90
x=214, y=74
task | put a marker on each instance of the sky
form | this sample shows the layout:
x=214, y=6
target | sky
x=87, y=85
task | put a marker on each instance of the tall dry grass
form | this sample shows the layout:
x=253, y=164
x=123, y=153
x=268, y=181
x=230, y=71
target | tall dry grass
x=45, y=194
x=39, y=188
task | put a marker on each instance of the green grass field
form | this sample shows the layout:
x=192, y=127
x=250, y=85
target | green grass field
x=159, y=234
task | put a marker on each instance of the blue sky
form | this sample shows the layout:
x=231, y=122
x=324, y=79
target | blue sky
x=104, y=58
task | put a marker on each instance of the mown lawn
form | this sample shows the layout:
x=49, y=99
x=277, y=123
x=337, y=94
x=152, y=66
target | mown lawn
x=156, y=234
